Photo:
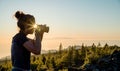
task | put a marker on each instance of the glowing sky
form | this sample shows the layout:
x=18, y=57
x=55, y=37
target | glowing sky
x=70, y=21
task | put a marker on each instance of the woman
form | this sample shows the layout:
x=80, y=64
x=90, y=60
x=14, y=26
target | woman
x=23, y=46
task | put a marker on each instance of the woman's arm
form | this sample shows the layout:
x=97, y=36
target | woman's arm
x=34, y=46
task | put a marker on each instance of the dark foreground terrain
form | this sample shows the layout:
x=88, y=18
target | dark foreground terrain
x=74, y=58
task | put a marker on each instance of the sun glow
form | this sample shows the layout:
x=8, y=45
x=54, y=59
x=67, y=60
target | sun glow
x=35, y=26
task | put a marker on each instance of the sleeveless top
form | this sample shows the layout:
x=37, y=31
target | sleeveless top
x=20, y=56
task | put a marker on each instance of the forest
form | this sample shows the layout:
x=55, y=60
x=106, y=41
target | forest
x=84, y=58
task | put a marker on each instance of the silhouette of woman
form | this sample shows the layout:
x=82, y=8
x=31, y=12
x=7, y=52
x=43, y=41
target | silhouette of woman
x=23, y=46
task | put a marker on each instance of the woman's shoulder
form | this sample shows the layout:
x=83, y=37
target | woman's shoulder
x=19, y=36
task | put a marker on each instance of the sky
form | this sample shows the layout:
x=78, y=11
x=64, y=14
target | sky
x=71, y=22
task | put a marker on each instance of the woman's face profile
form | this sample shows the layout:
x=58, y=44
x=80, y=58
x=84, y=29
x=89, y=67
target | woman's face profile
x=29, y=28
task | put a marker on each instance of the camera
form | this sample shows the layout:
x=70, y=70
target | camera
x=43, y=28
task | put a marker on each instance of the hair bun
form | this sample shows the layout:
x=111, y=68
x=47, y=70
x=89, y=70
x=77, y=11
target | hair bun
x=19, y=14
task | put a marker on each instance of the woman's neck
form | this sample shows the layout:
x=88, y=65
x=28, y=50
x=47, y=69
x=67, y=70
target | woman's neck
x=23, y=32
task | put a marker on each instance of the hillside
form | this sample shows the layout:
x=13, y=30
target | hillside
x=84, y=58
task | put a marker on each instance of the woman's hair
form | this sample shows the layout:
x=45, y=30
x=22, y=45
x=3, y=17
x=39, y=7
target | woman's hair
x=24, y=19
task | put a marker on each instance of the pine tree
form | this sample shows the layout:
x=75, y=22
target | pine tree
x=60, y=48
x=99, y=45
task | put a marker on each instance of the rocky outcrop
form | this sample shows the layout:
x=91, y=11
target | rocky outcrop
x=106, y=63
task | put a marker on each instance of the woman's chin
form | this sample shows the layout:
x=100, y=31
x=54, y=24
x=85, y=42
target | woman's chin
x=31, y=32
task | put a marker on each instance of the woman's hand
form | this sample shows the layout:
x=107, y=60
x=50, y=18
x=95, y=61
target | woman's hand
x=39, y=33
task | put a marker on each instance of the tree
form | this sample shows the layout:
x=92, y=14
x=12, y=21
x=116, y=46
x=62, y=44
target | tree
x=99, y=45
x=76, y=57
x=53, y=62
x=43, y=59
x=106, y=45
x=94, y=49
x=60, y=48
